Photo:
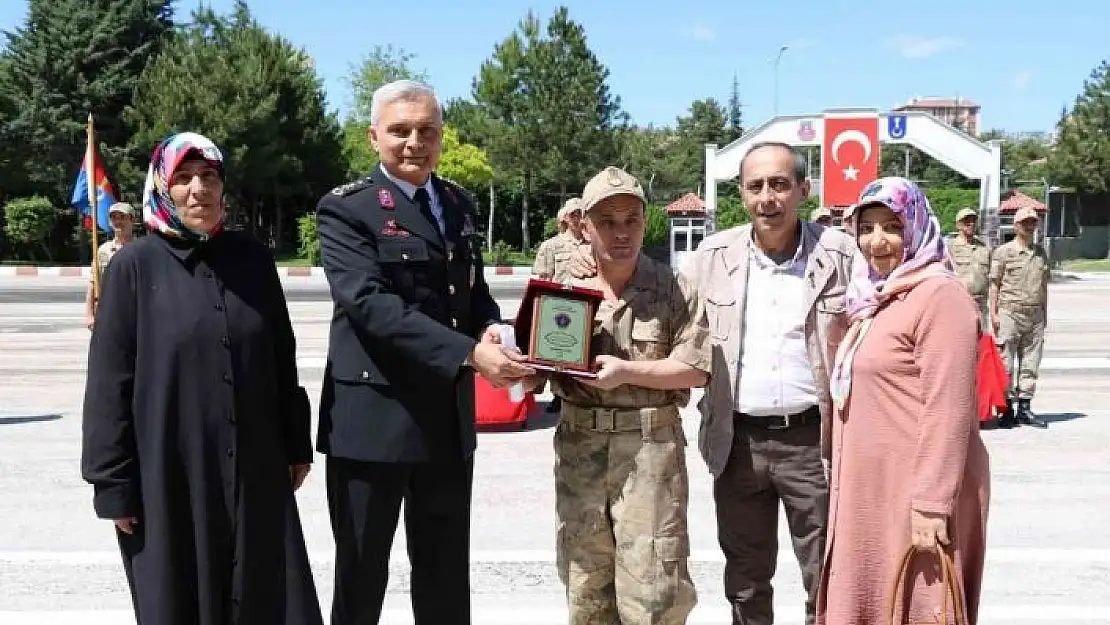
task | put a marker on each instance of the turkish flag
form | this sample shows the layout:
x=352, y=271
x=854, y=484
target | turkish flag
x=849, y=158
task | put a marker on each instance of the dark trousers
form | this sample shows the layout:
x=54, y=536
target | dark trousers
x=364, y=499
x=765, y=467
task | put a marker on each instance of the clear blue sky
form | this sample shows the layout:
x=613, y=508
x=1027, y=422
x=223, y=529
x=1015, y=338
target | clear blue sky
x=1020, y=59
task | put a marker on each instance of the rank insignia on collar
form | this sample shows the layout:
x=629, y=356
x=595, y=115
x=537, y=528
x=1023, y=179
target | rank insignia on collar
x=385, y=198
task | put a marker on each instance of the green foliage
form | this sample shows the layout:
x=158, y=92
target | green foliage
x=946, y=202
x=500, y=254
x=657, y=227
x=28, y=223
x=309, y=241
x=257, y=97
x=1082, y=155
x=464, y=163
x=550, y=227
x=71, y=58
x=383, y=65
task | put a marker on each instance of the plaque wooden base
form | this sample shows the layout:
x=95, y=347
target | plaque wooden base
x=554, y=327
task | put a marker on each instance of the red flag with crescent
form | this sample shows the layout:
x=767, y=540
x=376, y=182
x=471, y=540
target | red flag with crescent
x=849, y=157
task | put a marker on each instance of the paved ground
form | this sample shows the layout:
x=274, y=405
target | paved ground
x=1049, y=558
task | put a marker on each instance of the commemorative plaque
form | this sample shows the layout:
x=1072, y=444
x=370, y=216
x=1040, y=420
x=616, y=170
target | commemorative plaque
x=554, y=327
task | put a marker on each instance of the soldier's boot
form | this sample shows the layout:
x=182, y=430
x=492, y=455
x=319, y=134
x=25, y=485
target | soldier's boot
x=1027, y=417
x=1008, y=419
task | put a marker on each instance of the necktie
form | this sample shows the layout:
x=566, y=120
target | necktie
x=425, y=201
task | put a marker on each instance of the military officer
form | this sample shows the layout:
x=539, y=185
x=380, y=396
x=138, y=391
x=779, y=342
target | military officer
x=552, y=255
x=972, y=258
x=621, y=483
x=410, y=328
x=1019, y=304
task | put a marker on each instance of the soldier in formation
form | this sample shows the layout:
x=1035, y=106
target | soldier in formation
x=1019, y=277
x=972, y=259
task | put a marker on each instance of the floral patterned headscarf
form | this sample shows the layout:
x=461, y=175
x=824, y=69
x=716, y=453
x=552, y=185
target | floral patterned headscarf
x=159, y=211
x=925, y=255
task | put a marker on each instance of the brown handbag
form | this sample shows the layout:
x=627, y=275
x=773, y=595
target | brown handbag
x=948, y=578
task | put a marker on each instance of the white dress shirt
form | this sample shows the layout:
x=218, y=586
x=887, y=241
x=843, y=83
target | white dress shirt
x=410, y=191
x=775, y=373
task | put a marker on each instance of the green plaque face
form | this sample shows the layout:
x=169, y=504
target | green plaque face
x=563, y=328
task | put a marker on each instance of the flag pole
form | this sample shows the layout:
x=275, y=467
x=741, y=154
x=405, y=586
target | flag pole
x=94, y=209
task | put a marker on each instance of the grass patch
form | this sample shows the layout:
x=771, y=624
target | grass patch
x=512, y=259
x=1081, y=265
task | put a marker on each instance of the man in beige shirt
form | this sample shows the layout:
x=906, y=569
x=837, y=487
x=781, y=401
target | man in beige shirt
x=122, y=216
x=1019, y=305
x=621, y=484
x=552, y=255
x=972, y=258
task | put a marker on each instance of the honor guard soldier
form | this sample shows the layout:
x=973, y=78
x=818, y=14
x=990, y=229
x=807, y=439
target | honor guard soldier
x=621, y=484
x=412, y=309
x=972, y=258
x=1019, y=305
x=122, y=217
x=553, y=254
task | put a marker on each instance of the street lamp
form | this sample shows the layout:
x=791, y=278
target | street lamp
x=778, y=57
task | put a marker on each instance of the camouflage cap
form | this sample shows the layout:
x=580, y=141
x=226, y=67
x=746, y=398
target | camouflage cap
x=609, y=182
x=571, y=205
x=122, y=207
x=1024, y=213
x=965, y=213
x=820, y=213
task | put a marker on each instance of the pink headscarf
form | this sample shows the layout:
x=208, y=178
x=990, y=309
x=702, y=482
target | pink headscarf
x=925, y=256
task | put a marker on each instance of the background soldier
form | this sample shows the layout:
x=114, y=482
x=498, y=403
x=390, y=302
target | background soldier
x=972, y=258
x=553, y=254
x=1019, y=304
x=822, y=216
x=122, y=217
x=621, y=483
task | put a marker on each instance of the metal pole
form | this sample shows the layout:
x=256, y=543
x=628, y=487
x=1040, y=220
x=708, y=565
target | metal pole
x=778, y=57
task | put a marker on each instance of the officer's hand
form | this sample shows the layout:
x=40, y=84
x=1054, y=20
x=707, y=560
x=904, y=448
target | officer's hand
x=298, y=473
x=611, y=373
x=501, y=366
x=581, y=263
x=89, y=320
x=928, y=530
x=492, y=335
x=127, y=526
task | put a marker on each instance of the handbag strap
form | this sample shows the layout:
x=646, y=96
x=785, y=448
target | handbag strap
x=948, y=580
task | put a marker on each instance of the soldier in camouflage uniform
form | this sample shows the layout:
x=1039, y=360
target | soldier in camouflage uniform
x=122, y=217
x=1019, y=305
x=552, y=254
x=621, y=481
x=972, y=258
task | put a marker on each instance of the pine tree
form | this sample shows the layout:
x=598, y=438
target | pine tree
x=70, y=58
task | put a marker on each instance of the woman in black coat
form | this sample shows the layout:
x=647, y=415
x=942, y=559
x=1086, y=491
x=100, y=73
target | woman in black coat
x=196, y=430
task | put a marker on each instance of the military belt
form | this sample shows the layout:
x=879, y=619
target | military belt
x=600, y=419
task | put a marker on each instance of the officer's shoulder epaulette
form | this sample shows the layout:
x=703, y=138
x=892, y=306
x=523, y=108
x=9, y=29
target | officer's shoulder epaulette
x=456, y=189
x=344, y=190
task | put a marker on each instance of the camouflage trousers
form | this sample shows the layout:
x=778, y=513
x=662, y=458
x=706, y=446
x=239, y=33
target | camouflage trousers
x=984, y=314
x=621, y=493
x=1021, y=333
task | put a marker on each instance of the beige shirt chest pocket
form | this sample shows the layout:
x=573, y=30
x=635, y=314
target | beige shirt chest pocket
x=720, y=309
x=649, y=340
x=833, y=302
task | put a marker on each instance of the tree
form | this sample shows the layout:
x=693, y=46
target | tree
x=464, y=163
x=735, y=115
x=28, y=222
x=256, y=96
x=380, y=66
x=70, y=58
x=1082, y=155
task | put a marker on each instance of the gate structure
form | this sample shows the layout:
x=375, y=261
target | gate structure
x=851, y=155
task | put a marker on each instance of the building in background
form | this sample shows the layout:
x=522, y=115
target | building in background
x=957, y=112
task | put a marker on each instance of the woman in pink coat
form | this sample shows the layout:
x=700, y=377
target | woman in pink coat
x=908, y=466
